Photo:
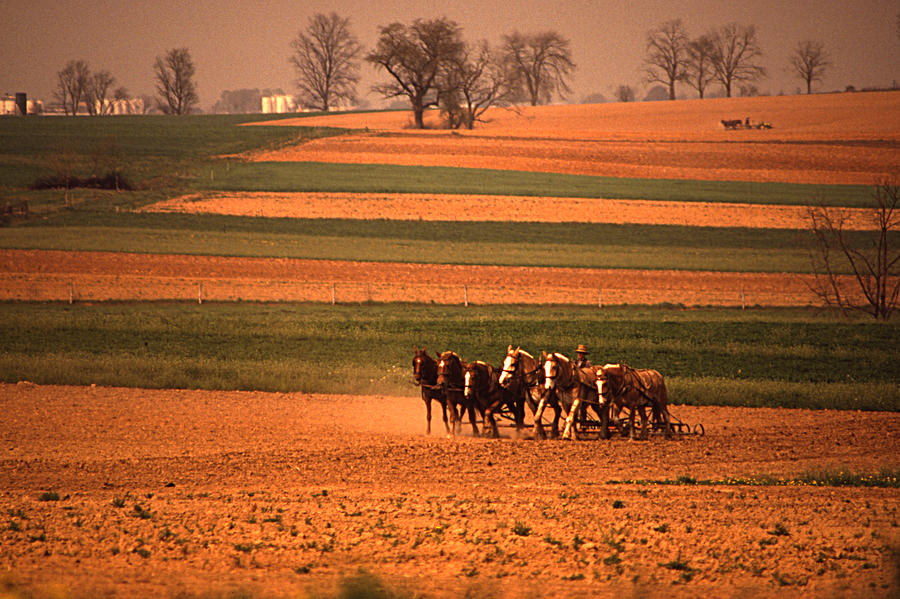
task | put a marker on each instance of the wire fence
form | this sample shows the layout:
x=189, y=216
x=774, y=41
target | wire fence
x=91, y=288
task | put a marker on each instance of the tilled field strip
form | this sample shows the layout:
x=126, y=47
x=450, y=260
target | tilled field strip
x=453, y=207
x=34, y=275
x=812, y=162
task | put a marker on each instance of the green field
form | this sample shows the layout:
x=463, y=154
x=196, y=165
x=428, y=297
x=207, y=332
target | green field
x=787, y=358
x=784, y=358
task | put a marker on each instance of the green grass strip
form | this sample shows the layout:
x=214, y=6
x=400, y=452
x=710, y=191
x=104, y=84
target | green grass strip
x=380, y=178
x=380, y=249
x=101, y=227
x=885, y=479
x=771, y=358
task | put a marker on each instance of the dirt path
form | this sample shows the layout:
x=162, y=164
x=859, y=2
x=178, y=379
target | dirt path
x=186, y=493
x=442, y=207
x=35, y=275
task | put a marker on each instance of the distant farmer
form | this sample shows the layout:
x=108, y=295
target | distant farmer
x=747, y=122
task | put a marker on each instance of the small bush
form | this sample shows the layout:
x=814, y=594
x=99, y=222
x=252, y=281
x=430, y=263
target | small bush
x=49, y=496
x=110, y=180
x=520, y=529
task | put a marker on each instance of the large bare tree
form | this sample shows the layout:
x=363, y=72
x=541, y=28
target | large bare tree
x=326, y=59
x=809, y=61
x=875, y=266
x=97, y=93
x=735, y=52
x=541, y=63
x=415, y=56
x=473, y=81
x=667, y=55
x=699, y=72
x=177, y=92
x=72, y=84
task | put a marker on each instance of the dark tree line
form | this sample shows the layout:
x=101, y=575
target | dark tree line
x=728, y=55
x=77, y=86
x=429, y=64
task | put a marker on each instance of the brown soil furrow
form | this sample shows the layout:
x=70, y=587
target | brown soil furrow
x=451, y=207
x=57, y=275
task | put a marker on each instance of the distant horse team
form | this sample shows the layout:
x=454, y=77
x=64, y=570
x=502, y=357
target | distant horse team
x=573, y=388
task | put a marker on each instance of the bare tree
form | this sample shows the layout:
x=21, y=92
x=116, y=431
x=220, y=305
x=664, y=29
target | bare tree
x=875, y=269
x=735, y=50
x=415, y=57
x=97, y=93
x=541, y=63
x=473, y=81
x=71, y=85
x=809, y=61
x=325, y=57
x=667, y=55
x=699, y=72
x=175, y=82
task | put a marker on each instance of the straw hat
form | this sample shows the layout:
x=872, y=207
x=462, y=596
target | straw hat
x=581, y=349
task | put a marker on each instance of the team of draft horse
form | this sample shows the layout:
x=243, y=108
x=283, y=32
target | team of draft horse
x=592, y=398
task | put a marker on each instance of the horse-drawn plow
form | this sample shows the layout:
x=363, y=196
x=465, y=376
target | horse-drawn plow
x=593, y=428
x=596, y=402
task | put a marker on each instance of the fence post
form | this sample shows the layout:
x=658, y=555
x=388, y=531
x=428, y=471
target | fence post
x=200, y=292
x=466, y=295
x=71, y=292
x=332, y=294
x=599, y=297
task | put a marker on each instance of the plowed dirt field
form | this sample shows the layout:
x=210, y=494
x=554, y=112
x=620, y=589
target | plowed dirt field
x=835, y=138
x=130, y=492
x=90, y=276
x=170, y=493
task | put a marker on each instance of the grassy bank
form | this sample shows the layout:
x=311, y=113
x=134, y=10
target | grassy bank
x=151, y=152
x=782, y=358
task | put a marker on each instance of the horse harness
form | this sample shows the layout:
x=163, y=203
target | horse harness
x=628, y=370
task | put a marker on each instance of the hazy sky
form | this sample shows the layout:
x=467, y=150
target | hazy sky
x=242, y=44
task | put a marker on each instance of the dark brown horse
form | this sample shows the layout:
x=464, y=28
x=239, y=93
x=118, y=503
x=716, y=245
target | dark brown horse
x=425, y=374
x=621, y=386
x=567, y=388
x=450, y=371
x=483, y=390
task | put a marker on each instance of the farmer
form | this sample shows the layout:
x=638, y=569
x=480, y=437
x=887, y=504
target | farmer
x=581, y=359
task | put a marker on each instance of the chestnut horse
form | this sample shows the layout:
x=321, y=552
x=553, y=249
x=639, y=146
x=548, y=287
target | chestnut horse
x=567, y=389
x=451, y=379
x=482, y=389
x=522, y=375
x=620, y=385
x=425, y=374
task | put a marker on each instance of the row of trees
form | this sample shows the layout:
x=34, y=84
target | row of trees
x=77, y=86
x=728, y=55
x=430, y=64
